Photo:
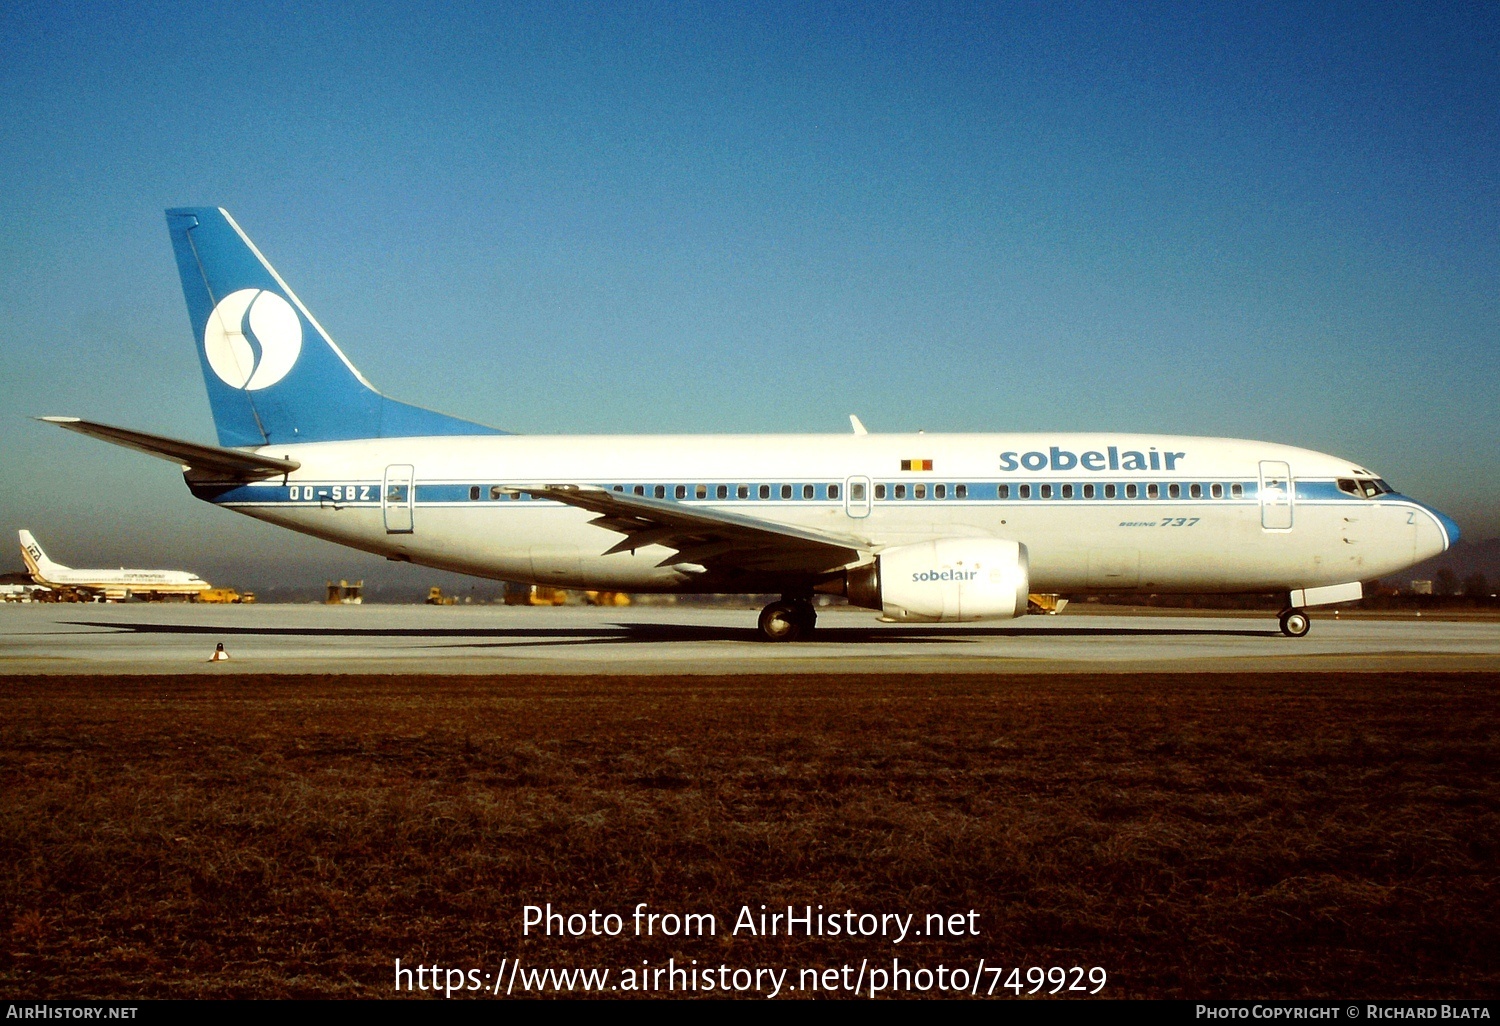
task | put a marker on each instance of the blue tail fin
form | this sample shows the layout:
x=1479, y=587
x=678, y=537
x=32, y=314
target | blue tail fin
x=273, y=374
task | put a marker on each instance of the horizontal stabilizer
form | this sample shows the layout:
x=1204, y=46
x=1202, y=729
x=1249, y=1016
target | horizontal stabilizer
x=207, y=459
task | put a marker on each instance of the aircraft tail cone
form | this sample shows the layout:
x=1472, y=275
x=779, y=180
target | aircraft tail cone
x=219, y=655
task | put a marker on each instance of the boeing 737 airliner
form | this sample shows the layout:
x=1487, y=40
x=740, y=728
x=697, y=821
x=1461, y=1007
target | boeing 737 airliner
x=922, y=527
x=118, y=584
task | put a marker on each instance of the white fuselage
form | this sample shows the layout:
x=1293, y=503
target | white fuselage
x=124, y=582
x=1095, y=512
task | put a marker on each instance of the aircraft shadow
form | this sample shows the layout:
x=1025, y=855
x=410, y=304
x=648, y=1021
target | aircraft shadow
x=659, y=633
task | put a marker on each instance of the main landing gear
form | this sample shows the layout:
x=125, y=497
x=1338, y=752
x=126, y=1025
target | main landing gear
x=1294, y=623
x=791, y=619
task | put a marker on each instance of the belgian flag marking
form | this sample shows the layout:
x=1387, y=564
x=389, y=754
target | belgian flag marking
x=916, y=464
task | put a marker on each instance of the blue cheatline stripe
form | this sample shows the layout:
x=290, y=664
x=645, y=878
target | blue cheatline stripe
x=450, y=493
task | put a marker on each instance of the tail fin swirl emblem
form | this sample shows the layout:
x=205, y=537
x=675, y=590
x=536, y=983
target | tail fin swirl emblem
x=256, y=354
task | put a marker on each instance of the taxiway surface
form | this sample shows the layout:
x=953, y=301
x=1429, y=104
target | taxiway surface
x=149, y=638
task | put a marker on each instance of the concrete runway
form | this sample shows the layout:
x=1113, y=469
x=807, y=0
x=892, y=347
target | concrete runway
x=179, y=638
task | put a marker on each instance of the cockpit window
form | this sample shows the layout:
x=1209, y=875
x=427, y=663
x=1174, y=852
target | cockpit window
x=1346, y=484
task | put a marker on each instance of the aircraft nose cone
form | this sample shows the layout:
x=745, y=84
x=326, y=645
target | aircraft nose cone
x=1449, y=528
x=1435, y=533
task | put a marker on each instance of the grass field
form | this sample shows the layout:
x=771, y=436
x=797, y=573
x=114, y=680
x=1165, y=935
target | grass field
x=1250, y=835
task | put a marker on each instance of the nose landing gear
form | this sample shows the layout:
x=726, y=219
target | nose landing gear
x=1294, y=623
x=791, y=619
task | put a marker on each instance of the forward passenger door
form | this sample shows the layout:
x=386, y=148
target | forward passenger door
x=1276, y=495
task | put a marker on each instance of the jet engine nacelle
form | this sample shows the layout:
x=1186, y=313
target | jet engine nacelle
x=947, y=579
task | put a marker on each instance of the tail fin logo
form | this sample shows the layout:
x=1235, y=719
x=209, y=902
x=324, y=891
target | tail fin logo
x=252, y=339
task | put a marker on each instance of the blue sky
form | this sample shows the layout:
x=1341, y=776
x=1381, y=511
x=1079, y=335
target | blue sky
x=1273, y=221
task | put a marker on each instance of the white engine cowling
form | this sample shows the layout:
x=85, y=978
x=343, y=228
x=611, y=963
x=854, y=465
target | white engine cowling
x=947, y=579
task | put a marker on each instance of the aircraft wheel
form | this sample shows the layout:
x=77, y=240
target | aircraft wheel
x=781, y=621
x=1294, y=623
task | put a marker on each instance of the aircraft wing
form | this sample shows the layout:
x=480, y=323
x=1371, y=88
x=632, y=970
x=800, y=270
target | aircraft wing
x=710, y=538
x=208, y=459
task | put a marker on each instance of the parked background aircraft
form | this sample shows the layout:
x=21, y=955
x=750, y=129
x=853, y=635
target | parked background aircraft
x=110, y=584
x=921, y=527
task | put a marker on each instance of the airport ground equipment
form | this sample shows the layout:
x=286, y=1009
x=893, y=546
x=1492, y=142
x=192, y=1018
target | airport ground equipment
x=521, y=594
x=606, y=598
x=345, y=594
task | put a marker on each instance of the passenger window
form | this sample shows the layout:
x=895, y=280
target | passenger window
x=495, y=491
x=919, y=491
x=1046, y=491
x=1024, y=491
x=765, y=491
x=880, y=491
x=742, y=492
x=857, y=492
x=473, y=493
x=786, y=491
x=1088, y=491
x=833, y=491
x=1067, y=491
x=808, y=491
x=1132, y=491
x=939, y=491
x=1153, y=491
x=639, y=489
x=618, y=488
x=722, y=491
x=961, y=491
x=1237, y=490
x=660, y=491
x=1174, y=491
x=1109, y=491
x=1003, y=491
x=1218, y=491
x=700, y=492
x=680, y=492
x=1195, y=491
x=901, y=491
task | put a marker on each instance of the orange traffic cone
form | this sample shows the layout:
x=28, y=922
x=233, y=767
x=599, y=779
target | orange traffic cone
x=219, y=654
